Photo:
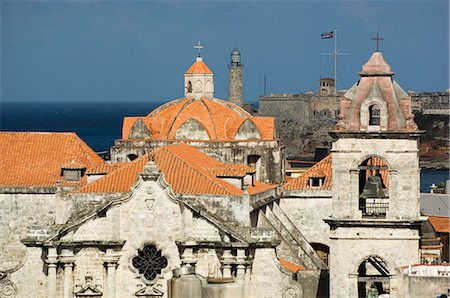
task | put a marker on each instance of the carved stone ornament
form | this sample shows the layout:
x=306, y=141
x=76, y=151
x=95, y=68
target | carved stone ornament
x=148, y=263
x=148, y=291
x=7, y=288
x=292, y=291
x=89, y=290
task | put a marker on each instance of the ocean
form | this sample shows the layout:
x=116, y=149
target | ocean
x=100, y=123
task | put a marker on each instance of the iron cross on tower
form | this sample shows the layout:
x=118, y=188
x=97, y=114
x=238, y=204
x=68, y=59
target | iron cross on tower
x=198, y=46
x=378, y=38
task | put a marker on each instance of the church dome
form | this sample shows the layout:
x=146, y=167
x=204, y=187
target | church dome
x=199, y=119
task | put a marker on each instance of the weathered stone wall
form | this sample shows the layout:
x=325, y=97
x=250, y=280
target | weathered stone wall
x=21, y=214
x=422, y=286
x=351, y=246
x=266, y=264
x=307, y=214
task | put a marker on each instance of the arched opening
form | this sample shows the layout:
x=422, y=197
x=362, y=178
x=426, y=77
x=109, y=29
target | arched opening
x=373, y=278
x=322, y=250
x=132, y=157
x=373, y=187
x=255, y=162
x=189, y=87
x=374, y=115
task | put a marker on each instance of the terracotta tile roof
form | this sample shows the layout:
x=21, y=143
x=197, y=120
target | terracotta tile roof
x=323, y=169
x=441, y=224
x=190, y=171
x=199, y=67
x=302, y=182
x=73, y=165
x=260, y=187
x=232, y=170
x=184, y=169
x=291, y=266
x=119, y=180
x=220, y=119
x=34, y=159
x=104, y=168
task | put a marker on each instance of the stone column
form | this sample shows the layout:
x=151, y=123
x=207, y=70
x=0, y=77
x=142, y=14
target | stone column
x=111, y=261
x=188, y=258
x=240, y=261
x=226, y=260
x=52, y=264
x=67, y=258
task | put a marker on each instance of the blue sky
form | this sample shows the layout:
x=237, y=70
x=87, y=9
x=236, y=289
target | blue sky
x=139, y=50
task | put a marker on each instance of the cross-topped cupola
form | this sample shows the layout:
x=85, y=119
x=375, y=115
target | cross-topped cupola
x=198, y=79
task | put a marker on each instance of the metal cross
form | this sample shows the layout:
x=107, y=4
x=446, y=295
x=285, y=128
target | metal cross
x=198, y=46
x=378, y=38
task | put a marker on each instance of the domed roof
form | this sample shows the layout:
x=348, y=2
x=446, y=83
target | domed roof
x=203, y=119
x=235, y=52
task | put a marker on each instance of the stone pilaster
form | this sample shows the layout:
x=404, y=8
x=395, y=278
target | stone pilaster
x=52, y=264
x=111, y=262
x=67, y=259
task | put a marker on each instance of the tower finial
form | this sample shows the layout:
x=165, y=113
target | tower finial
x=198, y=46
x=378, y=38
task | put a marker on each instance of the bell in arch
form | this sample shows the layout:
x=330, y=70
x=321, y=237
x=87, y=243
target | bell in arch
x=373, y=188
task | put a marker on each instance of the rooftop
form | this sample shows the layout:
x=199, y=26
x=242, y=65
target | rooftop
x=35, y=159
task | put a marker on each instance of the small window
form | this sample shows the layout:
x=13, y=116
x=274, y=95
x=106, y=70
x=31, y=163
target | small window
x=374, y=112
x=315, y=181
x=132, y=157
x=189, y=87
x=72, y=175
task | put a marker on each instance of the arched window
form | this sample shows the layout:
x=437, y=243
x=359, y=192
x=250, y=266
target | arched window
x=322, y=251
x=373, y=188
x=373, y=277
x=374, y=114
x=189, y=87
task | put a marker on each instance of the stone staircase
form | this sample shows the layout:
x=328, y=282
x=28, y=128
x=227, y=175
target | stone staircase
x=292, y=236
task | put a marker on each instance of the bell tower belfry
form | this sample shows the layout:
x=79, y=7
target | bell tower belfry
x=199, y=79
x=375, y=220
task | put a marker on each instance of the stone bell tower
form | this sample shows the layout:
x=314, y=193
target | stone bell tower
x=235, y=82
x=375, y=205
x=199, y=79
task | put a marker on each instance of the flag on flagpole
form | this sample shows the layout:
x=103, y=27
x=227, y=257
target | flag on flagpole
x=327, y=35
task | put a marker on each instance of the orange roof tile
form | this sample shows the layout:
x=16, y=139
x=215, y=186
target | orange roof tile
x=34, y=159
x=302, y=182
x=232, y=170
x=199, y=67
x=118, y=181
x=291, y=266
x=323, y=169
x=441, y=224
x=190, y=171
x=220, y=119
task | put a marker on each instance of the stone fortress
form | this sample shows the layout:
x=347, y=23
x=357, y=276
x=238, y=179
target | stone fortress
x=312, y=115
x=195, y=203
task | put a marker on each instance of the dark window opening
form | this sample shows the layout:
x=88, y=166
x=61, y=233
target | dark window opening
x=189, y=87
x=374, y=112
x=149, y=262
